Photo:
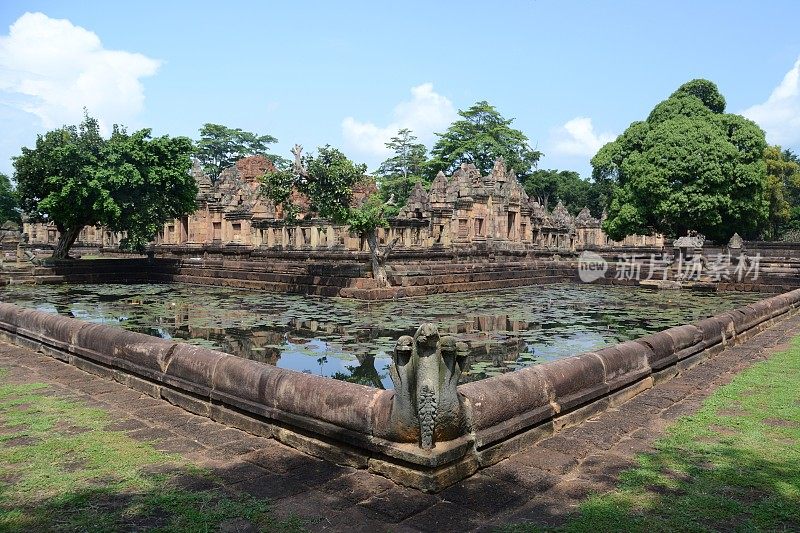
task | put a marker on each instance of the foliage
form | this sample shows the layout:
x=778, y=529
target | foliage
x=327, y=179
x=57, y=181
x=9, y=201
x=220, y=147
x=783, y=192
x=553, y=186
x=783, y=183
x=480, y=137
x=398, y=174
x=133, y=183
x=689, y=166
x=149, y=181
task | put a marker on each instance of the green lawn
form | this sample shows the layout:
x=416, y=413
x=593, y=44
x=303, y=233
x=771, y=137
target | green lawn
x=62, y=469
x=733, y=466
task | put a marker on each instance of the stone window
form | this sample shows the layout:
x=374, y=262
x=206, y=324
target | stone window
x=217, y=227
x=463, y=231
x=306, y=236
x=512, y=219
x=322, y=237
x=522, y=229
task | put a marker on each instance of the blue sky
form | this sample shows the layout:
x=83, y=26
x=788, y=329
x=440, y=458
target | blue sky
x=573, y=74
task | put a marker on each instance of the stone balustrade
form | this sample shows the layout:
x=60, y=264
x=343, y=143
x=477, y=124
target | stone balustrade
x=428, y=432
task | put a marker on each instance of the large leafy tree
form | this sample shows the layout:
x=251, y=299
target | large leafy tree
x=148, y=180
x=9, y=201
x=220, y=147
x=552, y=186
x=689, y=166
x=404, y=169
x=133, y=183
x=782, y=190
x=328, y=179
x=480, y=137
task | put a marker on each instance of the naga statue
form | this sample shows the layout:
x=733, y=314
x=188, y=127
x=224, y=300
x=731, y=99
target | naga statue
x=425, y=371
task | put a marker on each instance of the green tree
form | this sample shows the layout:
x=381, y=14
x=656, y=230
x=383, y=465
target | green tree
x=9, y=201
x=398, y=174
x=552, y=186
x=328, y=179
x=689, y=166
x=133, y=183
x=480, y=137
x=220, y=147
x=149, y=181
x=783, y=191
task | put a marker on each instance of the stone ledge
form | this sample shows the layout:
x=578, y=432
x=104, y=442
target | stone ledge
x=345, y=422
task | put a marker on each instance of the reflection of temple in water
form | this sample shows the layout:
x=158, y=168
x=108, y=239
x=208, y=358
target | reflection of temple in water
x=490, y=338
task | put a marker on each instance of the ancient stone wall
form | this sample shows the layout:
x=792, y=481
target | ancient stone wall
x=46, y=234
x=411, y=273
x=360, y=426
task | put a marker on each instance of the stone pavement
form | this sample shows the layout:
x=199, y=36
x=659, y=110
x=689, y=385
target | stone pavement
x=542, y=484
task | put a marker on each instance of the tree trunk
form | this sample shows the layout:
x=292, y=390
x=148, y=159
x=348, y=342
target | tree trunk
x=377, y=259
x=66, y=239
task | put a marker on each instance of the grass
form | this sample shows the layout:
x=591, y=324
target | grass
x=732, y=466
x=62, y=469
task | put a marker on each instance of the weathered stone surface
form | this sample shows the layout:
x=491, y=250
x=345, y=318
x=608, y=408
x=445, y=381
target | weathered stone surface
x=625, y=363
x=192, y=368
x=426, y=406
x=136, y=352
x=575, y=380
x=527, y=386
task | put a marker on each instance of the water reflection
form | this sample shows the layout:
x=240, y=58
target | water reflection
x=345, y=339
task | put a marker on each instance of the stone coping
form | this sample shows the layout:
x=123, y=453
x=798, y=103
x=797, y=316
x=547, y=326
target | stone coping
x=350, y=424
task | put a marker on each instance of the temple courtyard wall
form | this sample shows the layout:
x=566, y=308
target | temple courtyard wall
x=773, y=267
x=356, y=425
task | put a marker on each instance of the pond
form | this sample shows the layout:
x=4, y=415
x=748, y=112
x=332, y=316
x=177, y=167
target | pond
x=346, y=339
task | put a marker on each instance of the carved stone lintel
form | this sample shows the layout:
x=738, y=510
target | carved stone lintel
x=425, y=372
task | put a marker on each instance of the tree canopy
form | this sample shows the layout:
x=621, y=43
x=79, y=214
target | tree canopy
x=480, y=137
x=328, y=180
x=782, y=191
x=129, y=182
x=398, y=174
x=9, y=201
x=689, y=166
x=552, y=186
x=220, y=147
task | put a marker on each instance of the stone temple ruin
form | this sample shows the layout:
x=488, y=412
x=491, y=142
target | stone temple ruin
x=463, y=211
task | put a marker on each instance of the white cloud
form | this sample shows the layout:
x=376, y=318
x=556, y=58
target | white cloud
x=578, y=138
x=780, y=114
x=427, y=112
x=53, y=69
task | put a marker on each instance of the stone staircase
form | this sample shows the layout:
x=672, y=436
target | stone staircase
x=12, y=273
x=17, y=273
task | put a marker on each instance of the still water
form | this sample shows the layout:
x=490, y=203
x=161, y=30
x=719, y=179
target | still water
x=345, y=339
